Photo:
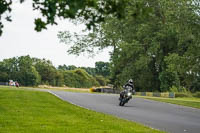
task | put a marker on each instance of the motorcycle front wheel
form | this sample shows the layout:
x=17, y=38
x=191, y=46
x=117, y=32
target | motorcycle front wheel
x=121, y=103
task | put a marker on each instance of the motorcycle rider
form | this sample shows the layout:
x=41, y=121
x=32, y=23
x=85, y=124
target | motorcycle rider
x=128, y=85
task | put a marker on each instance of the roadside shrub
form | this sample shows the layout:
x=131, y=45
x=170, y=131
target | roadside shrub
x=182, y=89
x=102, y=81
x=167, y=80
x=79, y=78
x=178, y=89
x=183, y=95
x=197, y=94
x=173, y=89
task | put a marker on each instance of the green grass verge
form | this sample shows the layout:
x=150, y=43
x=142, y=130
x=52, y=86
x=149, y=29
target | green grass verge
x=57, y=88
x=26, y=111
x=190, y=102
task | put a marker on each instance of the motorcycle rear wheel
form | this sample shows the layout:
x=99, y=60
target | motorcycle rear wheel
x=120, y=103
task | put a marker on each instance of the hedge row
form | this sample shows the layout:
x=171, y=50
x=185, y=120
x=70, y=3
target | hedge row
x=168, y=94
x=156, y=94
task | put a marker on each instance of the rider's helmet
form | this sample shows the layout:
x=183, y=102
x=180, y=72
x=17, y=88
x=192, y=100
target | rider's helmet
x=130, y=81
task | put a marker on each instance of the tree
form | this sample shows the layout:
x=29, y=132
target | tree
x=26, y=73
x=29, y=77
x=79, y=78
x=59, y=78
x=4, y=77
x=4, y=8
x=144, y=46
x=91, y=11
x=102, y=80
x=102, y=68
x=169, y=32
x=89, y=70
x=47, y=71
x=33, y=71
x=64, y=67
x=20, y=69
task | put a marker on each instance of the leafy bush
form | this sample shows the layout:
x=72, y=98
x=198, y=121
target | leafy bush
x=197, y=94
x=102, y=81
x=173, y=89
x=182, y=89
x=79, y=78
x=183, y=95
x=167, y=80
x=178, y=89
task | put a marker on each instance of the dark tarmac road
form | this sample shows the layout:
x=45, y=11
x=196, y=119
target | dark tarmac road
x=163, y=116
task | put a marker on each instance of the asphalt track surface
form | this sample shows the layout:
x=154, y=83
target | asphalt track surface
x=163, y=116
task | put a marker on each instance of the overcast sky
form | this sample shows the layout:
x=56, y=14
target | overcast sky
x=19, y=38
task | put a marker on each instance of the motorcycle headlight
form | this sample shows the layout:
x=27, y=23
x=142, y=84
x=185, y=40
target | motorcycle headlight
x=129, y=94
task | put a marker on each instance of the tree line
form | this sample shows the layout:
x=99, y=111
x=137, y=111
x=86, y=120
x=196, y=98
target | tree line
x=33, y=72
x=157, y=44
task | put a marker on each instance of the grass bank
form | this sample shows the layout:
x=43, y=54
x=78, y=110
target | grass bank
x=190, y=102
x=26, y=111
x=80, y=90
x=64, y=88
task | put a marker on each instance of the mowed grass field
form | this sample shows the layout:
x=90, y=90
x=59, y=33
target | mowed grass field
x=28, y=111
x=190, y=102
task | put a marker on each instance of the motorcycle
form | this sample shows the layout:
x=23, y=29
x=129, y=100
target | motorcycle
x=125, y=96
